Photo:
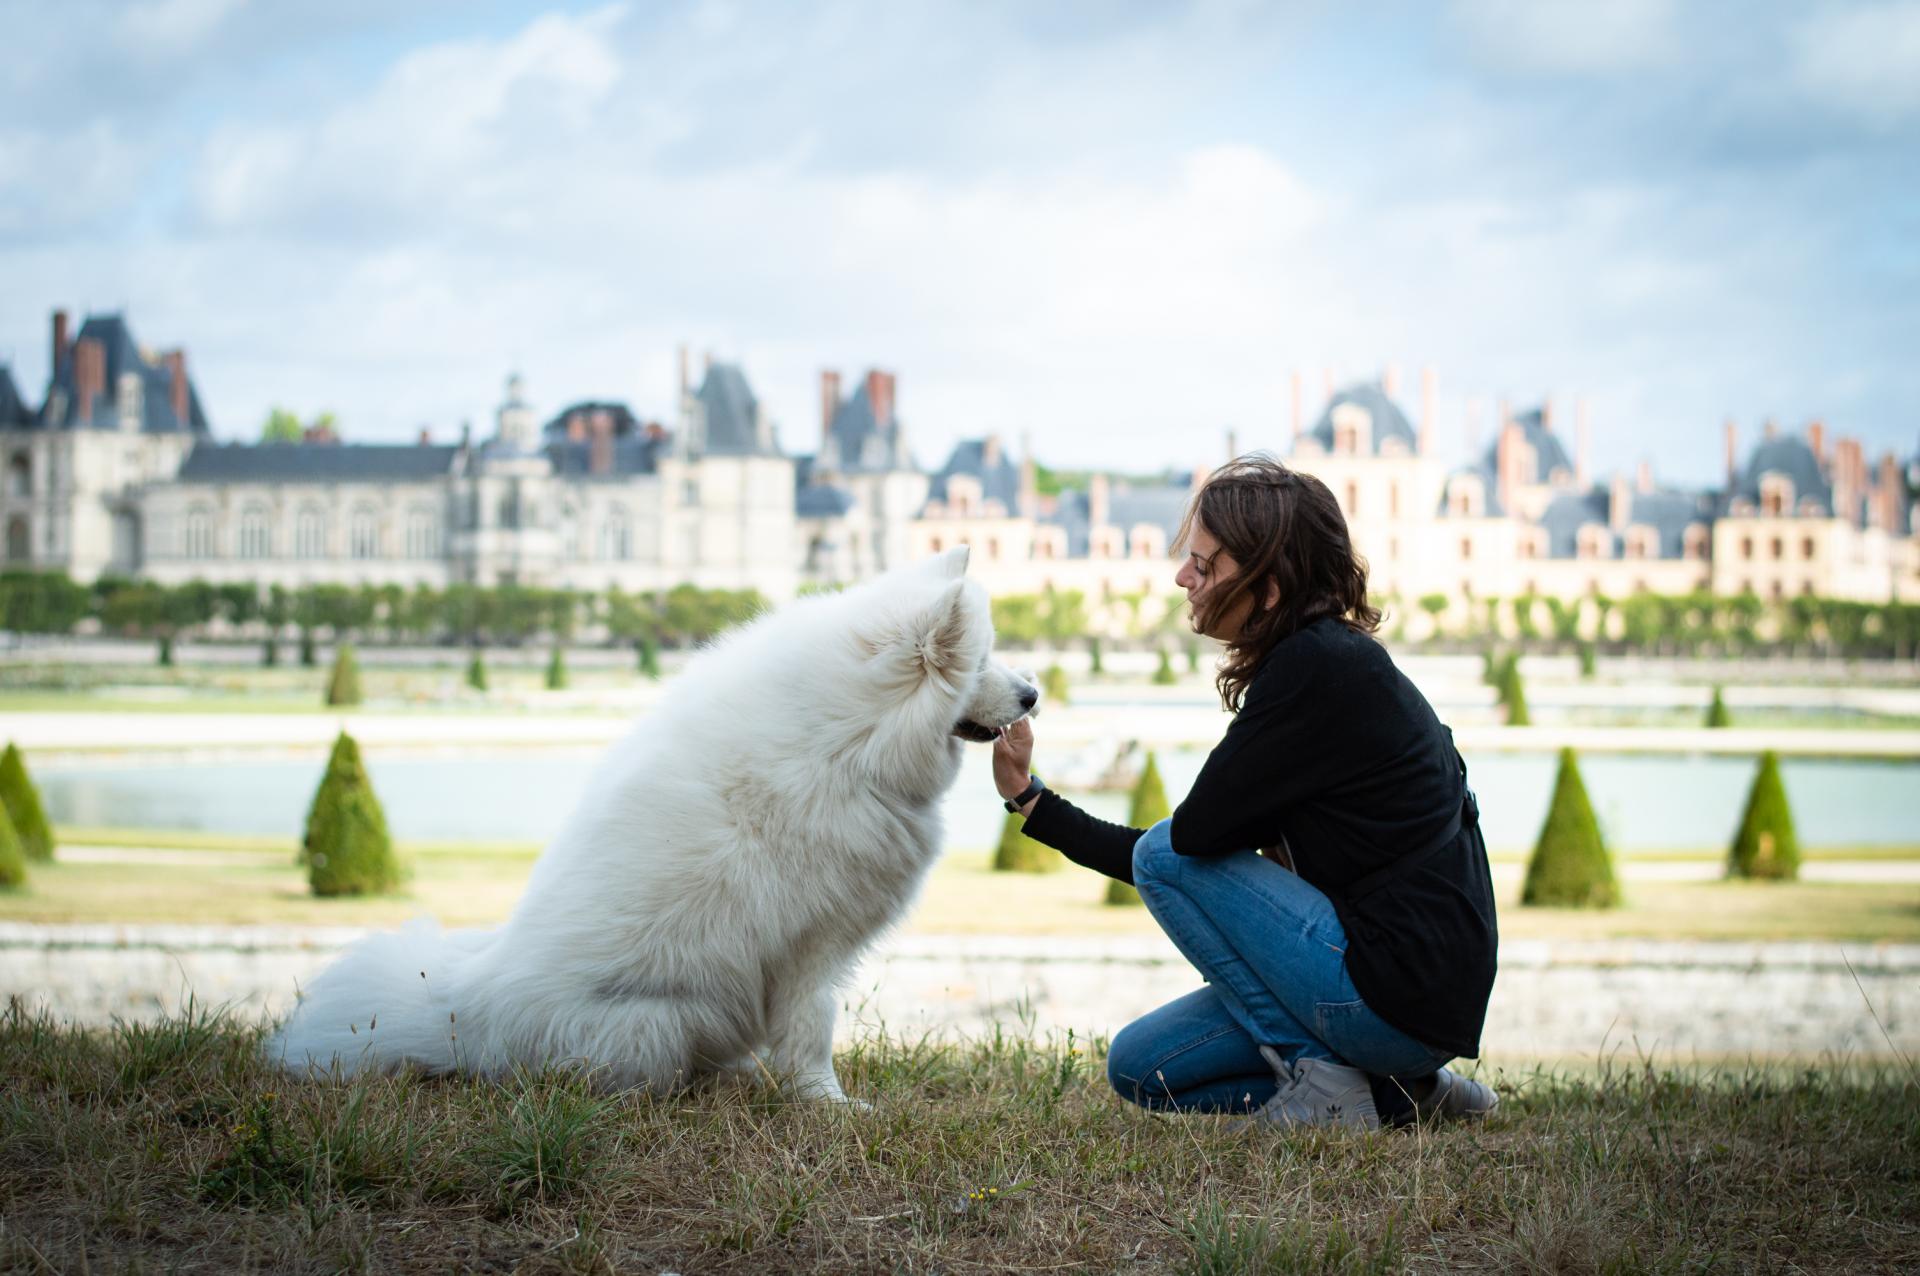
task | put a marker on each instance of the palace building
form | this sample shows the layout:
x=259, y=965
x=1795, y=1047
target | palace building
x=116, y=472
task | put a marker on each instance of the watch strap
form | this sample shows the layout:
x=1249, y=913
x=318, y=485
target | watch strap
x=1033, y=790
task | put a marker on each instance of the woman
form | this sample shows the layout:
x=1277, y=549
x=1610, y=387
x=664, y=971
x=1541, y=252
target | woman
x=1337, y=990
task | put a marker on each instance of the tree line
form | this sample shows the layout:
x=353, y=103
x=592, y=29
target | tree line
x=509, y=615
x=1695, y=624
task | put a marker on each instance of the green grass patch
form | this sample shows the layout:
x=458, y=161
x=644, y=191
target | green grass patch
x=178, y=1148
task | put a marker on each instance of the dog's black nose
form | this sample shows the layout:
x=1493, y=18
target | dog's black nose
x=1030, y=697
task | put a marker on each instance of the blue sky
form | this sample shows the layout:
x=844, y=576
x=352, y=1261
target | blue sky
x=1115, y=227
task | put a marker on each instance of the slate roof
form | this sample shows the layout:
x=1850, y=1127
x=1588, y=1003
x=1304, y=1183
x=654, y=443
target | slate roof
x=1549, y=454
x=317, y=463
x=1669, y=512
x=998, y=482
x=635, y=454
x=1492, y=507
x=731, y=412
x=822, y=500
x=1163, y=507
x=1389, y=422
x=61, y=409
x=857, y=441
x=14, y=412
x=624, y=421
x=1792, y=456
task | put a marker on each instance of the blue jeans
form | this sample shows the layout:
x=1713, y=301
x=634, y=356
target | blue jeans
x=1273, y=952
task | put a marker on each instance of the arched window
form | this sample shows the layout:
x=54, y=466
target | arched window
x=616, y=535
x=19, y=540
x=363, y=534
x=20, y=475
x=423, y=533
x=198, y=541
x=310, y=534
x=256, y=533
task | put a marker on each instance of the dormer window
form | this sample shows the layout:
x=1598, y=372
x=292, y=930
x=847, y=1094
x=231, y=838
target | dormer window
x=1696, y=541
x=1352, y=430
x=1642, y=542
x=1594, y=542
x=1776, y=495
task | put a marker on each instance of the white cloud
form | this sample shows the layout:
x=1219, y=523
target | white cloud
x=167, y=28
x=1863, y=61
x=1597, y=37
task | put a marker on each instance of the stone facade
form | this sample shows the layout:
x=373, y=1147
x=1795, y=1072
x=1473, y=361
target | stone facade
x=117, y=473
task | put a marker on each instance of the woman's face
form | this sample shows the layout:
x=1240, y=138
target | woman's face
x=1206, y=564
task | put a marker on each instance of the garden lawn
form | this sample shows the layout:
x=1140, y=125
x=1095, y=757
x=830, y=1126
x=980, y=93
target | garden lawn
x=171, y=1147
x=250, y=881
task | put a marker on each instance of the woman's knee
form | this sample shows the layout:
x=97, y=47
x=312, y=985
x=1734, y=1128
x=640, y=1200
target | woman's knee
x=1131, y=1063
x=1153, y=852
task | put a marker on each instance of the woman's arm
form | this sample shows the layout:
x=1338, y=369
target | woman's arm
x=1052, y=820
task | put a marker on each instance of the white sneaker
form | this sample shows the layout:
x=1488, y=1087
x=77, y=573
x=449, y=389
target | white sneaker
x=1317, y=1092
x=1456, y=1098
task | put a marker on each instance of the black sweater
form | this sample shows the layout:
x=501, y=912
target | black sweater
x=1337, y=752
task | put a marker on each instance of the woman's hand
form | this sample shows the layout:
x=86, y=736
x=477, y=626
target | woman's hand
x=1013, y=759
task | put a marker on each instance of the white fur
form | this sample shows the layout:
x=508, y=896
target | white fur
x=731, y=859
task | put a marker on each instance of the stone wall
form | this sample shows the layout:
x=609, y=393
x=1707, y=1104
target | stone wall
x=1560, y=1000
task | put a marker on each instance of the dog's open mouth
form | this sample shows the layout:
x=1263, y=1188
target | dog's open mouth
x=968, y=729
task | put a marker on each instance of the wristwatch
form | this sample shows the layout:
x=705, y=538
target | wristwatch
x=1033, y=790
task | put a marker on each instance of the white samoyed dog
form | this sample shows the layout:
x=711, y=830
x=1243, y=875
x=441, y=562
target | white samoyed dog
x=732, y=858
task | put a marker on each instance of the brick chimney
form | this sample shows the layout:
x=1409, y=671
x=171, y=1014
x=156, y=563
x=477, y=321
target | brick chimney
x=426, y=437
x=600, y=442
x=62, y=342
x=1390, y=380
x=1733, y=452
x=1582, y=440
x=1299, y=418
x=1893, y=490
x=990, y=452
x=576, y=427
x=1503, y=462
x=829, y=405
x=1546, y=413
x=1619, y=503
x=1770, y=430
x=89, y=377
x=1643, y=477
x=1097, y=501
x=880, y=391
x=176, y=364
x=1842, y=479
x=1429, y=408
x=1817, y=440
x=1327, y=377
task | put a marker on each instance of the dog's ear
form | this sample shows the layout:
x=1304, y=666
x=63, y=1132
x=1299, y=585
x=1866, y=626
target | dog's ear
x=950, y=565
x=943, y=637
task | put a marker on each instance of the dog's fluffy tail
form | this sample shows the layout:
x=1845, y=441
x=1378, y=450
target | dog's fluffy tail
x=387, y=1003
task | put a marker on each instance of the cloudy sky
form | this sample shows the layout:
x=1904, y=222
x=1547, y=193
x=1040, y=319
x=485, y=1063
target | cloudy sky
x=1115, y=226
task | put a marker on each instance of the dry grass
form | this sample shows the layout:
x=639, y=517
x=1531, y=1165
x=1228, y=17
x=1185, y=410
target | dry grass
x=467, y=886
x=171, y=1148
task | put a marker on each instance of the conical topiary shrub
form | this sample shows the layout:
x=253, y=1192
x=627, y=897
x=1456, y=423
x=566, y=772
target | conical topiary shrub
x=1094, y=664
x=1018, y=853
x=649, y=657
x=477, y=672
x=1765, y=845
x=1492, y=667
x=343, y=684
x=13, y=860
x=557, y=670
x=348, y=849
x=343, y=763
x=21, y=801
x=1148, y=808
x=309, y=658
x=1193, y=656
x=1054, y=684
x=269, y=654
x=1513, y=694
x=1717, y=715
x=1163, y=675
x=1570, y=867
x=166, y=651
x=1589, y=660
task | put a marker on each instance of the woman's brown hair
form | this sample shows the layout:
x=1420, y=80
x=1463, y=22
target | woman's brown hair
x=1280, y=527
